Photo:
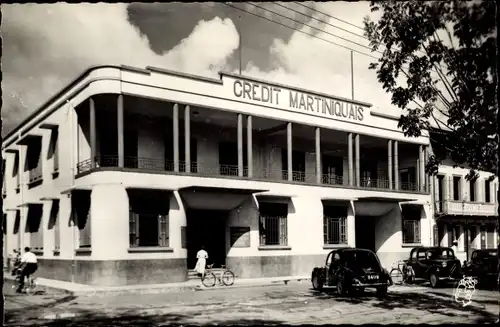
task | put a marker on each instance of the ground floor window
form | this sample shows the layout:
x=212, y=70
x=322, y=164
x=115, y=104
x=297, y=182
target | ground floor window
x=148, y=218
x=334, y=224
x=273, y=227
x=80, y=203
x=54, y=224
x=35, y=227
x=411, y=216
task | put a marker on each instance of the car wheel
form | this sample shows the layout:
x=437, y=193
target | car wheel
x=340, y=288
x=317, y=285
x=382, y=291
x=433, y=279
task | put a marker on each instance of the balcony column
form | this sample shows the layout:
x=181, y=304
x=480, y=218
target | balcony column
x=421, y=167
x=289, y=151
x=249, y=147
x=240, y=145
x=93, y=135
x=396, y=165
x=350, y=160
x=389, y=162
x=121, y=147
x=176, y=137
x=318, y=155
x=356, y=150
x=187, y=138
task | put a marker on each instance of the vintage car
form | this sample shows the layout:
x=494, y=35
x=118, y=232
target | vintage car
x=438, y=265
x=351, y=270
x=482, y=265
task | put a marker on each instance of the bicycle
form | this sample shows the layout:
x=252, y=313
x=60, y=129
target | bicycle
x=226, y=277
x=402, y=274
x=29, y=286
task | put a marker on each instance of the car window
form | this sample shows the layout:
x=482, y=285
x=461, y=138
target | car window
x=413, y=254
x=440, y=253
x=361, y=259
x=336, y=257
x=329, y=259
x=474, y=256
x=421, y=254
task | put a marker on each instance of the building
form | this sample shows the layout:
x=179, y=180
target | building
x=124, y=174
x=465, y=210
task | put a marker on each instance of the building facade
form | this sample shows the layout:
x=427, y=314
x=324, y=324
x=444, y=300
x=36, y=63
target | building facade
x=465, y=210
x=122, y=176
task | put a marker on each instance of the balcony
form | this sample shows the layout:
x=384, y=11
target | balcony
x=35, y=174
x=149, y=165
x=462, y=208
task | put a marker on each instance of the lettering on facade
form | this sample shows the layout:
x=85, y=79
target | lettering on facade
x=297, y=101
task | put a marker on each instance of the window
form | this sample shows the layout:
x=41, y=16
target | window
x=487, y=191
x=472, y=190
x=411, y=216
x=54, y=223
x=80, y=203
x=4, y=189
x=334, y=224
x=35, y=228
x=273, y=223
x=54, y=148
x=16, y=173
x=149, y=218
x=34, y=160
x=298, y=165
x=457, y=188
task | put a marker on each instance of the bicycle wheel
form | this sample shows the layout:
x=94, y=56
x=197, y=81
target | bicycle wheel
x=31, y=289
x=228, y=278
x=396, y=276
x=209, y=280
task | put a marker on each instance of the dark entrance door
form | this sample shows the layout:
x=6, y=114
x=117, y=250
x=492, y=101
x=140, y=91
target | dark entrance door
x=206, y=228
x=365, y=232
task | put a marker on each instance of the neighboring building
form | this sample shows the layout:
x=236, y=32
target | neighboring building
x=124, y=174
x=465, y=211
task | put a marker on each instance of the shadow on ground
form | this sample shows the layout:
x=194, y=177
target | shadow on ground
x=431, y=302
x=132, y=319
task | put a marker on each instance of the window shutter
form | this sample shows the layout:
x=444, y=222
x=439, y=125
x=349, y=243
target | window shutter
x=133, y=235
x=283, y=231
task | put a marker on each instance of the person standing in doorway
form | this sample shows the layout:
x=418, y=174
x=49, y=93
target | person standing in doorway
x=201, y=263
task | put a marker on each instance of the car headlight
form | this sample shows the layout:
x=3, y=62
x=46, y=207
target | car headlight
x=356, y=281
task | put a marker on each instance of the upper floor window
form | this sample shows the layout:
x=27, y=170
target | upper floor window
x=34, y=160
x=472, y=190
x=54, y=151
x=457, y=188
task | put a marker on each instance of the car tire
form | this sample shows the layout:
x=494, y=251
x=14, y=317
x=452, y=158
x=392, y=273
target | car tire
x=433, y=279
x=316, y=283
x=341, y=288
x=382, y=291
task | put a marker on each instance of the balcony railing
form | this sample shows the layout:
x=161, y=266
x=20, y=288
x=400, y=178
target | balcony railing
x=452, y=207
x=211, y=170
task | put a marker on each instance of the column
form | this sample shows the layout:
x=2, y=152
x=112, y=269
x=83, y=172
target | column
x=318, y=155
x=396, y=166
x=350, y=160
x=240, y=145
x=289, y=150
x=389, y=163
x=421, y=168
x=249, y=147
x=119, y=115
x=187, y=138
x=176, y=137
x=427, y=177
x=356, y=150
x=93, y=135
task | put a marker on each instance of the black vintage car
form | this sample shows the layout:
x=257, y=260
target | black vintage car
x=482, y=265
x=438, y=265
x=351, y=270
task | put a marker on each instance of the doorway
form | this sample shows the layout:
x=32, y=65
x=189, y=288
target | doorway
x=206, y=228
x=365, y=232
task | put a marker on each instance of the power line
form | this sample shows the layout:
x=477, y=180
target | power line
x=292, y=28
x=330, y=16
x=316, y=28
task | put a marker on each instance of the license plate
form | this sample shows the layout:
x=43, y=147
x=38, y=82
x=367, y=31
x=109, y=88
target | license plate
x=372, y=277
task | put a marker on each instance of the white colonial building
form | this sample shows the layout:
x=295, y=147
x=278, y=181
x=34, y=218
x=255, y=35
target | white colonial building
x=122, y=176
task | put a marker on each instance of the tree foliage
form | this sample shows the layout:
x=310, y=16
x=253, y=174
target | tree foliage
x=445, y=51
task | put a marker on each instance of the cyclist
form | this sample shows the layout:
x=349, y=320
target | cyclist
x=29, y=264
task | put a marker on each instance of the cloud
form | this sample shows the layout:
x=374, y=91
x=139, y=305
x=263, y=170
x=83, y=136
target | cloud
x=46, y=46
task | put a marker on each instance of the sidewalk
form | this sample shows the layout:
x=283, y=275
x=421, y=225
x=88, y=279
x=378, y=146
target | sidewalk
x=191, y=285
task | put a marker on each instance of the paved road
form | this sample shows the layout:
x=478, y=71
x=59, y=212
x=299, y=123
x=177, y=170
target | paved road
x=295, y=303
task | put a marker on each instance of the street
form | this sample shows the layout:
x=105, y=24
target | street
x=295, y=303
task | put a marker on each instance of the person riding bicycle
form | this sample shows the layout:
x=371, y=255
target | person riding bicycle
x=29, y=264
x=16, y=262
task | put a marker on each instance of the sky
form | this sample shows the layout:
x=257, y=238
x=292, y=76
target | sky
x=48, y=45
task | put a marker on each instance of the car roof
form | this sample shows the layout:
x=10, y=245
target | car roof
x=432, y=247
